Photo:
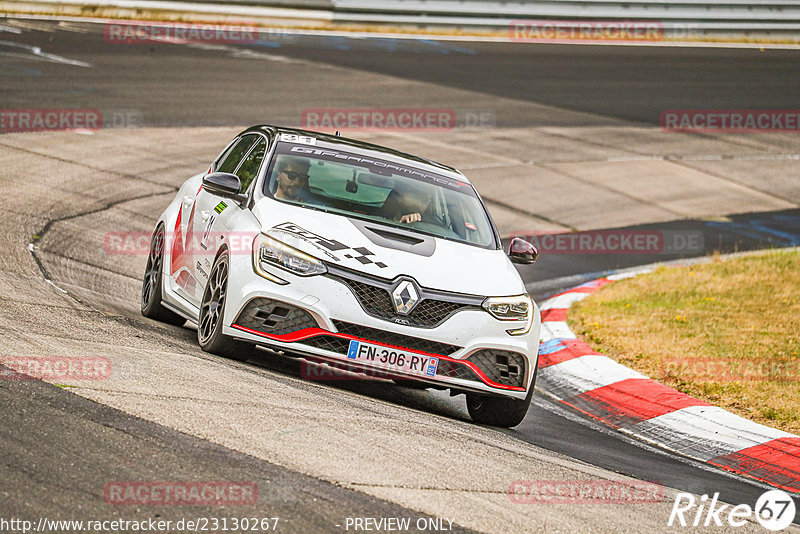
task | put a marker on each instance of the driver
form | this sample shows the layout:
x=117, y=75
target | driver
x=293, y=179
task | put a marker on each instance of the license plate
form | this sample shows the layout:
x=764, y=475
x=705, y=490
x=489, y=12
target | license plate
x=393, y=359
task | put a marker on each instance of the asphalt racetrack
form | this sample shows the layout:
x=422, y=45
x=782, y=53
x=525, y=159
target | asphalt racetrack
x=569, y=141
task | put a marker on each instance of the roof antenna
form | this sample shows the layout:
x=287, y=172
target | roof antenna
x=338, y=133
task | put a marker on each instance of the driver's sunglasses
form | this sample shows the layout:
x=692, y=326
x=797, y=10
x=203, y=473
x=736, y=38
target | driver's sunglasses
x=295, y=176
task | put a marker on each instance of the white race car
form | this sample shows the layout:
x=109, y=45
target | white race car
x=349, y=254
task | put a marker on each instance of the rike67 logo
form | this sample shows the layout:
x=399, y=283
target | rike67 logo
x=774, y=510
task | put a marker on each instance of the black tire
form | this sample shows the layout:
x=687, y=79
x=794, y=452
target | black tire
x=499, y=411
x=152, y=283
x=212, y=311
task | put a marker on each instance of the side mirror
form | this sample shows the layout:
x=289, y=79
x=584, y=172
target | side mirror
x=520, y=251
x=223, y=184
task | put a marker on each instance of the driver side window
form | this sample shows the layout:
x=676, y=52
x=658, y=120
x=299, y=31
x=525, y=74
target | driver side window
x=248, y=170
x=236, y=153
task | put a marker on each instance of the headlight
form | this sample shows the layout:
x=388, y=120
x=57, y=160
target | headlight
x=269, y=251
x=518, y=309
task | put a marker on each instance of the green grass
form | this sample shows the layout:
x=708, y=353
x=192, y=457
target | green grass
x=727, y=332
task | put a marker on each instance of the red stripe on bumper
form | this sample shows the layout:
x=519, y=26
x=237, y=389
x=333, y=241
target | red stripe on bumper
x=307, y=333
x=775, y=462
x=291, y=337
x=631, y=401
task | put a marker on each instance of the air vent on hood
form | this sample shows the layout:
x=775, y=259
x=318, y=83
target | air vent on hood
x=397, y=238
x=405, y=238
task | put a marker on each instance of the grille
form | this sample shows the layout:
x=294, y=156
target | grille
x=500, y=366
x=274, y=317
x=398, y=340
x=377, y=302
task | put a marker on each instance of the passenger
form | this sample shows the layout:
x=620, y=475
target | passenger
x=407, y=207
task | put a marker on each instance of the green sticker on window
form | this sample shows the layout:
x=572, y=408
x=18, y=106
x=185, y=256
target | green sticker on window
x=220, y=207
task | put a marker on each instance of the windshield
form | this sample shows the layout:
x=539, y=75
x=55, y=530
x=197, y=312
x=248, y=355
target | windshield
x=395, y=194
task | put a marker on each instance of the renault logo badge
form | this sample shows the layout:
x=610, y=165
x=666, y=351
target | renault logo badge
x=405, y=297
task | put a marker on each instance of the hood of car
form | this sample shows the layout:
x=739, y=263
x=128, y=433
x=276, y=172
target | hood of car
x=388, y=252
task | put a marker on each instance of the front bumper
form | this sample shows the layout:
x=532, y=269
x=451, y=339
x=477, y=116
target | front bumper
x=318, y=316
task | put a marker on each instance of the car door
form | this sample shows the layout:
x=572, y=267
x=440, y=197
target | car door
x=213, y=214
x=184, y=274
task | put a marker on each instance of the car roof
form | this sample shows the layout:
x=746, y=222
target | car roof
x=355, y=143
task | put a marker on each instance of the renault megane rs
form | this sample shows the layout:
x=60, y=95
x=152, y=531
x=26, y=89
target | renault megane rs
x=351, y=254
